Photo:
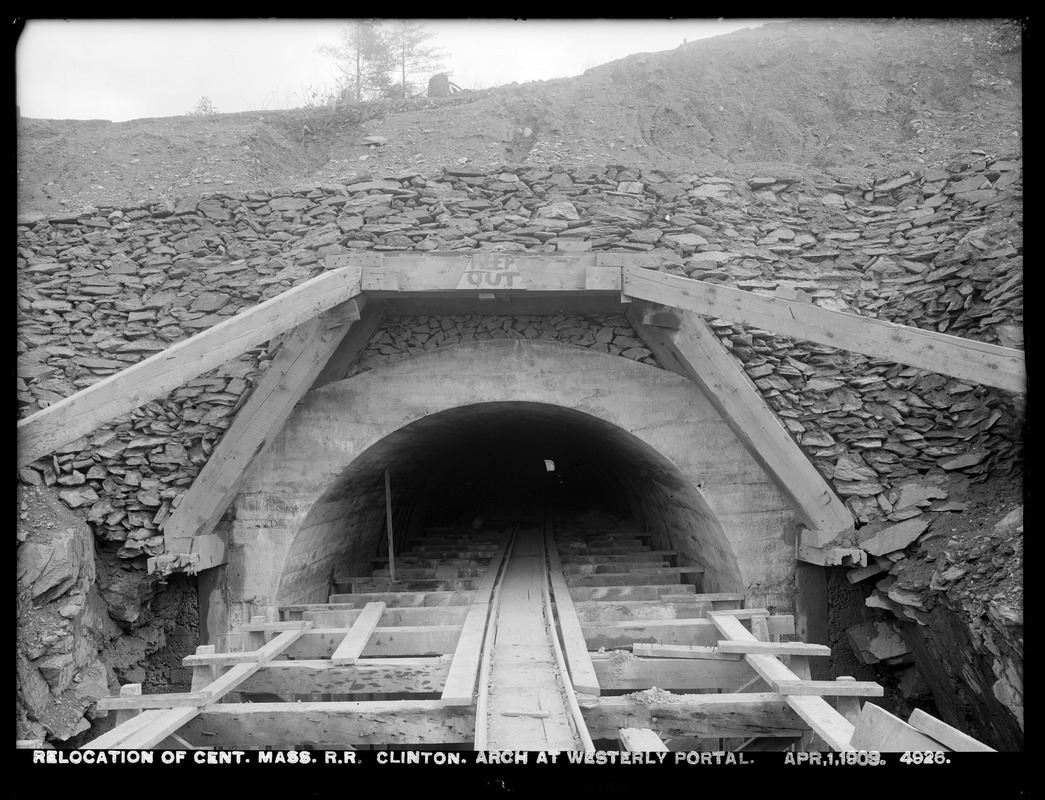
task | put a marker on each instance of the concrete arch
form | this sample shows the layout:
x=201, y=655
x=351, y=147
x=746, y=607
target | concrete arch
x=314, y=503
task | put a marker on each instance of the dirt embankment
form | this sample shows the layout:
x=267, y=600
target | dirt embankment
x=853, y=99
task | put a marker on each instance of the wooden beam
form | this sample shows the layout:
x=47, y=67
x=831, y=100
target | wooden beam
x=776, y=648
x=114, y=738
x=641, y=740
x=81, y=413
x=831, y=688
x=400, y=599
x=695, y=352
x=613, y=635
x=675, y=590
x=368, y=675
x=358, y=635
x=332, y=725
x=170, y=700
x=966, y=359
x=633, y=610
x=371, y=584
x=945, y=734
x=690, y=651
x=425, y=640
x=617, y=671
x=648, y=577
x=690, y=715
x=299, y=360
x=575, y=650
x=825, y=721
x=460, y=683
x=877, y=729
x=158, y=725
x=432, y=615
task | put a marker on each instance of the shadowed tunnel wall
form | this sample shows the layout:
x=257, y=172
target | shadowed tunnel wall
x=466, y=430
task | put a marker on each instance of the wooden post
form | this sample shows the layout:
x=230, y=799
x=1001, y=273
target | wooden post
x=128, y=690
x=388, y=514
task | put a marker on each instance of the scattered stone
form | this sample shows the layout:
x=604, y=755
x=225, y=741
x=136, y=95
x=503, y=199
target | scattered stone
x=895, y=537
x=876, y=641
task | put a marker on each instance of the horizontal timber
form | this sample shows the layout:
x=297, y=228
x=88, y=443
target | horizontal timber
x=966, y=359
x=368, y=675
x=85, y=411
x=692, y=715
x=331, y=725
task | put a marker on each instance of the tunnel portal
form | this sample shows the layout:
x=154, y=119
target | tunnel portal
x=466, y=432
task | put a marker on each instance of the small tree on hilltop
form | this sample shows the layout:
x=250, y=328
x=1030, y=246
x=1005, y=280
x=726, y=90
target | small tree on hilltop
x=414, y=54
x=363, y=58
x=204, y=108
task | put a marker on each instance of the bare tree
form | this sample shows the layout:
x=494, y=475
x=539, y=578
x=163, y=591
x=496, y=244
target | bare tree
x=364, y=59
x=414, y=53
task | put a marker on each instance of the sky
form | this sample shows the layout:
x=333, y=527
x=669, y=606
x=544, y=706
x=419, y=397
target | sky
x=131, y=69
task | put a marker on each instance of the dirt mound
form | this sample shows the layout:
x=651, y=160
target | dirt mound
x=857, y=98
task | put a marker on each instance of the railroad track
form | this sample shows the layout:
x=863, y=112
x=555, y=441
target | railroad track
x=514, y=637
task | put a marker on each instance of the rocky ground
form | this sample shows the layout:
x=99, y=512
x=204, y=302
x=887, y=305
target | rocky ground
x=868, y=167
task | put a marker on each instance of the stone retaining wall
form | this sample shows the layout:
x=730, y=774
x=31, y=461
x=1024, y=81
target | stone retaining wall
x=941, y=250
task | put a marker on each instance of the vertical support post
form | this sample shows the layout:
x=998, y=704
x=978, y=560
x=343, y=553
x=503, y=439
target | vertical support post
x=124, y=714
x=388, y=515
x=848, y=706
x=205, y=674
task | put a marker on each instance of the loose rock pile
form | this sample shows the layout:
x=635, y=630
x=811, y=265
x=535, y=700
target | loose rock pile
x=941, y=250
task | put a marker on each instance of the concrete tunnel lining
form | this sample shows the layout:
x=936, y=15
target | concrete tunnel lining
x=677, y=465
x=487, y=459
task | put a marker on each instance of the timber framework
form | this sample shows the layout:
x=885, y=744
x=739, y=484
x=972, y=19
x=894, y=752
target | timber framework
x=623, y=643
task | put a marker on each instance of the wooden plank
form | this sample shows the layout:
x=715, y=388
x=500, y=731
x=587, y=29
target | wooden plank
x=630, y=610
x=400, y=599
x=370, y=584
x=489, y=272
x=424, y=640
x=828, y=724
x=410, y=616
x=693, y=715
x=646, y=578
x=158, y=725
x=832, y=727
x=358, y=635
x=877, y=729
x=380, y=279
x=776, y=648
x=299, y=360
x=690, y=651
x=831, y=688
x=219, y=659
x=696, y=353
x=460, y=683
x=575, y=650
x=112, y=739
x=617, y=670
x=170, y=700
x=368, y=675
x=966, y=359
x=641, y=740
x=79, y=414
x=945, y=734
x=332, y=725
x=585, y=593
x=655, y=631
x=598, y=278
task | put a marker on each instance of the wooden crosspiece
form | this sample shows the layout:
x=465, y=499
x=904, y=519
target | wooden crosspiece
x=152, y=726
